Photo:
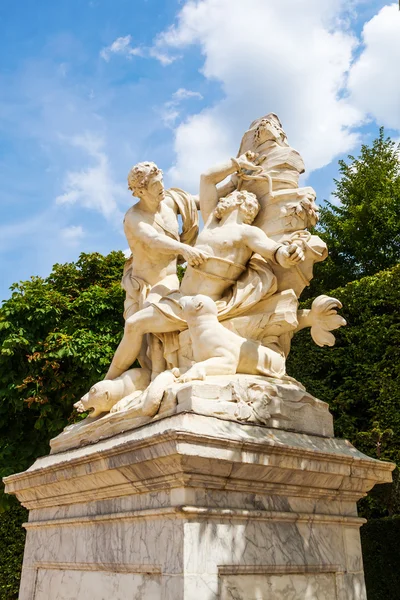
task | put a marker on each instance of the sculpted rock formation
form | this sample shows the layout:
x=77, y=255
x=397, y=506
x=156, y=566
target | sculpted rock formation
x=217, y=343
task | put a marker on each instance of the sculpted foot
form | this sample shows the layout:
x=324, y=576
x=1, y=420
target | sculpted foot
x=132, y=401
x=192, y=375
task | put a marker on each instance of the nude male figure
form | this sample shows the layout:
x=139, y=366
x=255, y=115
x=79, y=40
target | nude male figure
x=224, y=247
x=152, y=231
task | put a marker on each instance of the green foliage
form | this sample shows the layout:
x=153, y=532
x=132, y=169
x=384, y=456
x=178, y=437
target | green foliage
x=57, y=337
x=360, y=376
x=363, y=229
x=180, y=272
x=380, y=545
x=376, y=436
x=12, y=540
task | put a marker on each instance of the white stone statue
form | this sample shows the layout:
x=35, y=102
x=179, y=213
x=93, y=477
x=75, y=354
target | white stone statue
x=152, y=231
x=224, y=248
x=226, y=329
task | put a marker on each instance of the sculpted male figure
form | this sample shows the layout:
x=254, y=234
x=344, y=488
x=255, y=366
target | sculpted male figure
x=223, y=248
x=152, y=231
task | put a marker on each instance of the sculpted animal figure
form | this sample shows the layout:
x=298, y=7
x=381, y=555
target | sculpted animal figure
x=103, y=395
x=219, y=351
x=147, y=403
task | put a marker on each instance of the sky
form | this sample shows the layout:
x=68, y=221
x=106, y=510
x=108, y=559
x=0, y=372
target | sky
x=88, y=88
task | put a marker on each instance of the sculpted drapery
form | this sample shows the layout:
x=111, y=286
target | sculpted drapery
x=245, y=272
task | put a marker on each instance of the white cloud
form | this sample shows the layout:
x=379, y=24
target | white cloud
x=72, y=234
x=121, y=45
x=169, y=115
x=163, y=57
x=94, y=186
x=170, y=112
x=277, y=56
x=200, y=142
x=373, y=83
x=184, y=94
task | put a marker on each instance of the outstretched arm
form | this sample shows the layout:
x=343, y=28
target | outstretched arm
x=259, y=242
x=209, y=193
x=164, y=244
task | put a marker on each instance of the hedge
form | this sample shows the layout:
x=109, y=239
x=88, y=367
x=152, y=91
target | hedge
x=12, y=540
x=380, y=545
x=360, y=376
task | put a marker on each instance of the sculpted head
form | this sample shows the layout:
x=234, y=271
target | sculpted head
x=246, y=202
x=97, y=399
x=146, y=182
x=192, y=306
x=270, y=128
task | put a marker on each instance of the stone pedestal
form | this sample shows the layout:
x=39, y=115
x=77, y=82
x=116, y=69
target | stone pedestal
x=196, y=508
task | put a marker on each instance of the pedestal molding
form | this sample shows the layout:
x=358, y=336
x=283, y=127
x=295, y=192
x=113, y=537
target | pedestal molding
x=258, y=488
x=108, y=567
x=198, y=513
x=233, y=458
x=277, y=569
x=269, y=442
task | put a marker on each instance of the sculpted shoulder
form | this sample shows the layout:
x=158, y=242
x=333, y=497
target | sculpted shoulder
x=250, y=232
x=169, y=201
x=132, y=218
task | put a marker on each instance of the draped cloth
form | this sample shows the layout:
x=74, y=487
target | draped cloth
x=256, y=283
x=188, y=210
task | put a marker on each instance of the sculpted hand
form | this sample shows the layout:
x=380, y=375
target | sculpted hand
x=246, y=162
x=193, y=256
x=288, y=256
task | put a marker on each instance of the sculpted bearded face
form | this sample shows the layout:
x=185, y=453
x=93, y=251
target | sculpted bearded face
x=145, y=180
x=246, y=202
x=270, y=128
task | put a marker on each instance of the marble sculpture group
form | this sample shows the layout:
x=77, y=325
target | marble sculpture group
x=230, y=321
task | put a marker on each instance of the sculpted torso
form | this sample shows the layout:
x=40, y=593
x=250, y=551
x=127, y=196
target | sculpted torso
x=150, y=264
x=228, y=254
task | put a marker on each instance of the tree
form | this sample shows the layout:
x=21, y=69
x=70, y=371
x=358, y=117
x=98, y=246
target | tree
x=360, y=376
x=362, y=229
x=12, y=541
x=57, y=337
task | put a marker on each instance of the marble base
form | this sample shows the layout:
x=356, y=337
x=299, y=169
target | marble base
x=285, y=405
x=196, y=508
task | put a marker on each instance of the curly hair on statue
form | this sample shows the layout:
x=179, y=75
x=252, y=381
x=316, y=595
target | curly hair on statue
x=246, y=201
x=140, y=174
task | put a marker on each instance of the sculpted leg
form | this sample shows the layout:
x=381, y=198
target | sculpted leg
x=145, y=321
x=219, y=365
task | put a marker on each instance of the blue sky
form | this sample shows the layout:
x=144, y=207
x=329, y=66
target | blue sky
x=90, y=87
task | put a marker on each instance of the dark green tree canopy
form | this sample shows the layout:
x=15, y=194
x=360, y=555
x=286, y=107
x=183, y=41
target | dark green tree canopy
x=57, y=337
x=362, y=229
x=360, y=376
